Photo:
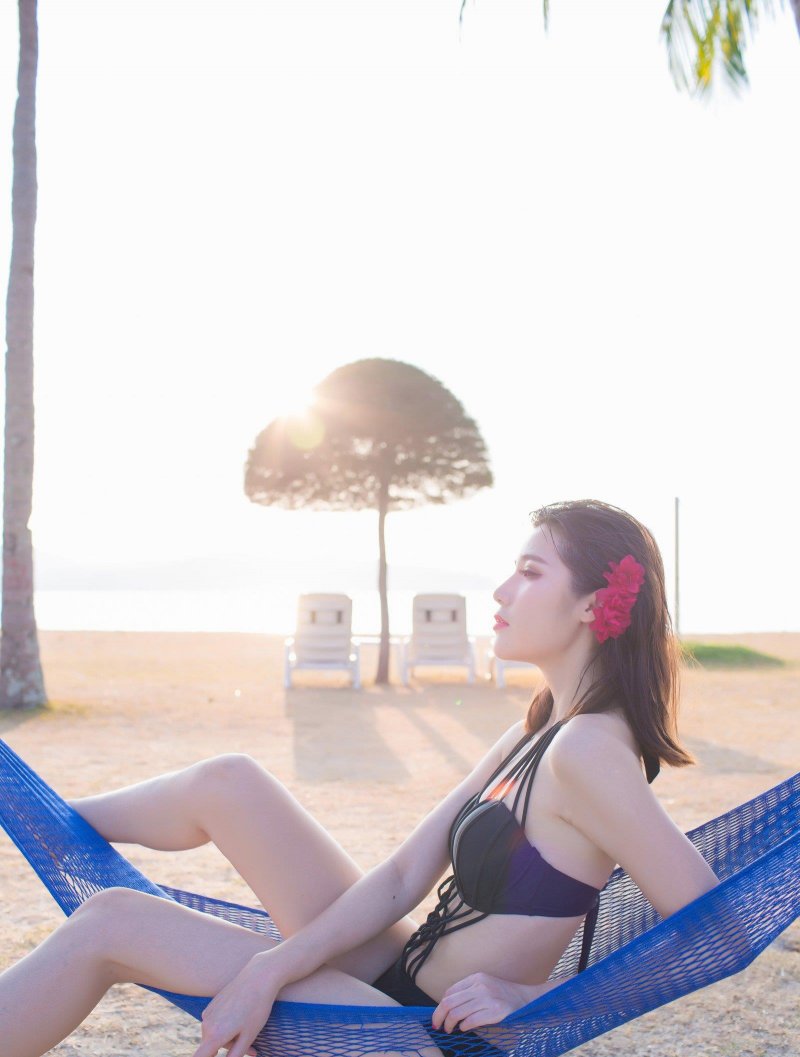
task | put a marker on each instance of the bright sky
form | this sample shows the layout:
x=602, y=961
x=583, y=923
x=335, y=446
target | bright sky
x=235, y=198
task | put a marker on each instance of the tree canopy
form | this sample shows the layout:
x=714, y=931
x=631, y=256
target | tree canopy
x=377, y=430
x=380, y=434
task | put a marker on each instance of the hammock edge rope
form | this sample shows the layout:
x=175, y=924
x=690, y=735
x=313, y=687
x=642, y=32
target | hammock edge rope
x=580, y=1008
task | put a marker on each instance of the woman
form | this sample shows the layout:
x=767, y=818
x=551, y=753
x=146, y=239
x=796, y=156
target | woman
x=586, y=603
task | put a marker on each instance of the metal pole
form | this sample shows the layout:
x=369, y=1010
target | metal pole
x=677, y=575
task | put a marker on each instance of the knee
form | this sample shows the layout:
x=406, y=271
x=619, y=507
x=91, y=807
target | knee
x=104, y=916
x=228, y=783
x=107, y=905
x=232, y=771
x=107, y=921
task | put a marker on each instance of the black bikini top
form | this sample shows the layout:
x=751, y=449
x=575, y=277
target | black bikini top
x=496, y=870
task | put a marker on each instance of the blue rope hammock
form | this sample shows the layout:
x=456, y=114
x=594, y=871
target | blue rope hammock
x=638, y=961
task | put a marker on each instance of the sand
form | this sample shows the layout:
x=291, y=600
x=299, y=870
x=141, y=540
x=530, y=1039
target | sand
x=370, y=765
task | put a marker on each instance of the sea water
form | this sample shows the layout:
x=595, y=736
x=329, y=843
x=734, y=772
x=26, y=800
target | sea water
x=271, y=611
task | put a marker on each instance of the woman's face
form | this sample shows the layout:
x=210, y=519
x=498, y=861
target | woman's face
x=544, y=617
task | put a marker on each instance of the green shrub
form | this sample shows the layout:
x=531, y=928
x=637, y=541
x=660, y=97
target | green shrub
x=716, y=655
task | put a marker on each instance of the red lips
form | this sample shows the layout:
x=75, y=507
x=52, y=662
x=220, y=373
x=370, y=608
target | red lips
x=500, y=620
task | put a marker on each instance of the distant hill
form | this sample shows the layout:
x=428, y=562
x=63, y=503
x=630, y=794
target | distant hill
x=233, y=571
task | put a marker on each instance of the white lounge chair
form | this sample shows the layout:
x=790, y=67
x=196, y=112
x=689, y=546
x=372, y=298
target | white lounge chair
x=497, y=667
x=323, y=639
x=439, y=635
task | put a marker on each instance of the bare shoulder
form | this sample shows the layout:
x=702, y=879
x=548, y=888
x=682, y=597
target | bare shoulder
x=593, y=743
x=603, y=794
x=508, y=740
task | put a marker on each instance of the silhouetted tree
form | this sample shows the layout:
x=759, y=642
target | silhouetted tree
x=21, y=680
x=380, y=434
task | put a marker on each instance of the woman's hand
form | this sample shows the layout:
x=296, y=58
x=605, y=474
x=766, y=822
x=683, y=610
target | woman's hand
x=239, y=1011
x=482, y=999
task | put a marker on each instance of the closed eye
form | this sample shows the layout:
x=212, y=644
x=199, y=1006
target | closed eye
x=526, y=572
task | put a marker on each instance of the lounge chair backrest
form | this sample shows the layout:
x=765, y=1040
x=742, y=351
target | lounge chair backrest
x=324, y=623
x=439, y=625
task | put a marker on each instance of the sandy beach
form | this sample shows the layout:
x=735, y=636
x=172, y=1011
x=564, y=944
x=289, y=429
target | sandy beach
x=370, y=764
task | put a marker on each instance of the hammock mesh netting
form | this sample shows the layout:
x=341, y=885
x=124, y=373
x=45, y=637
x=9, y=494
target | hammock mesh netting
x=638, y=961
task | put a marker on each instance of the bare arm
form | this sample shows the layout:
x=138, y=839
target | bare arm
x=605, y=795
x=376, y=901
x=389, y=891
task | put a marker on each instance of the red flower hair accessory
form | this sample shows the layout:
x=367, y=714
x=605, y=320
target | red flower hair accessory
x=612, y=613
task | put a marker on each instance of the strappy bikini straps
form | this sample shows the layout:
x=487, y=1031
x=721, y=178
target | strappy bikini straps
x=440, y=922
x=589, y=925
x=504, y=761
x=445, y=919
x=533, y=760
x=539, y=750
x=520, y=768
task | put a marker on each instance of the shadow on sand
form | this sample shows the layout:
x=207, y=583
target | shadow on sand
x=324, y=716
x=15, y=717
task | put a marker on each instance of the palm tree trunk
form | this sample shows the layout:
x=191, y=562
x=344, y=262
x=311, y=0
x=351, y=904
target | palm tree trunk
x=21, y=680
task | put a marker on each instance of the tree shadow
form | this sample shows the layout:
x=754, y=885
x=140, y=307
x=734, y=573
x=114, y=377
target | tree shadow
x=16, y=717
x=467, y=705
x=335, y=736
x=336, y=730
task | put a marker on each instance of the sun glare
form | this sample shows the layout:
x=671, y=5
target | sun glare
x=303, y=425
x=297, y=403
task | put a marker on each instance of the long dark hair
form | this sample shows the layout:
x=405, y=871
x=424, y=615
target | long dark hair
x=639, y=670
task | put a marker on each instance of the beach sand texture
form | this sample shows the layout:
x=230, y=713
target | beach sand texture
x=369, y=765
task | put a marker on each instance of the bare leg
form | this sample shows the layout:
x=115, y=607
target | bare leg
x=121, y=935
x=295, y=867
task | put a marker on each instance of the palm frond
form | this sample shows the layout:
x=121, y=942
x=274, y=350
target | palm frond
x=703, y=35
x=796, y=9
x=545, y=12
